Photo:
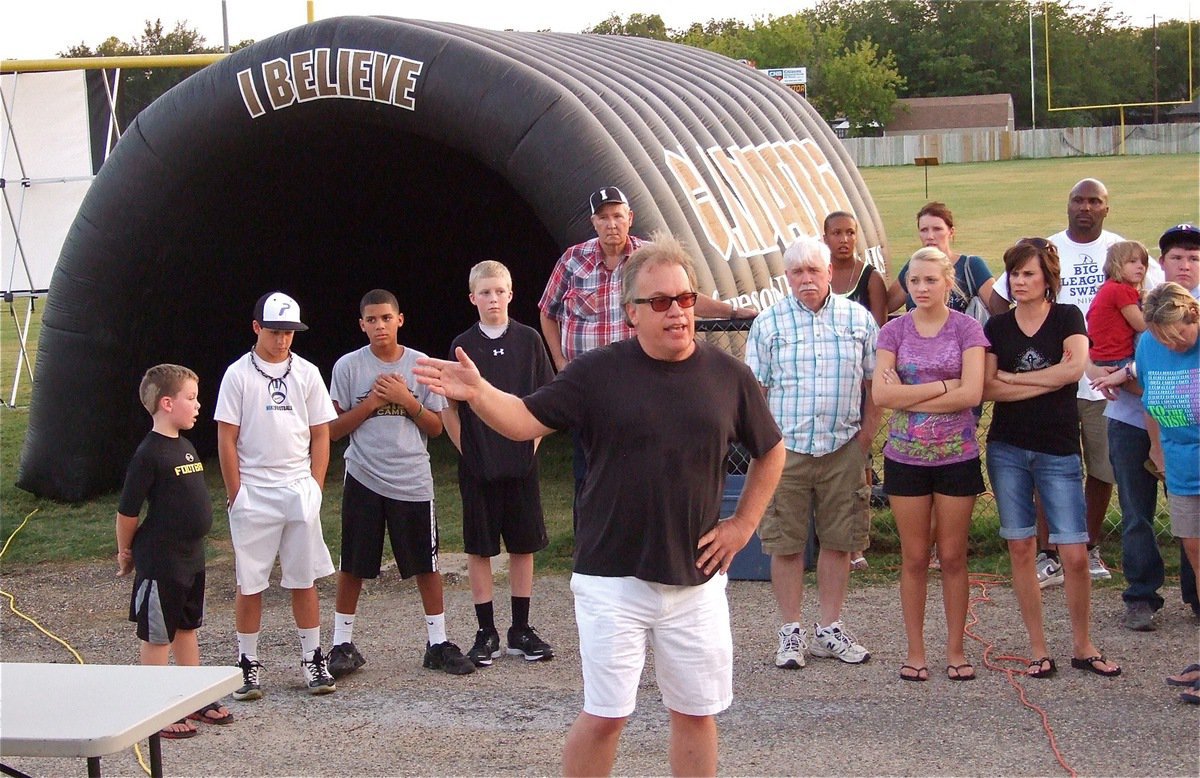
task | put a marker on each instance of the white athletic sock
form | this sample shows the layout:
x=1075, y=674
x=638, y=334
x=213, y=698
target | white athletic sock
x=343, y=628
x=436, y=627
x=310, y=641
x=248, y=645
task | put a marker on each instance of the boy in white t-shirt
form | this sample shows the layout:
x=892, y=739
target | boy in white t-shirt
x=273, y=415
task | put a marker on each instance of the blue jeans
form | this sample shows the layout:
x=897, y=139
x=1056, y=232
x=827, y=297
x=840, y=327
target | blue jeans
x=1137, y=492
x=1015, y=473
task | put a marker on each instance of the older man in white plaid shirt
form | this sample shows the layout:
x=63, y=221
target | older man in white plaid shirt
x=813, y=353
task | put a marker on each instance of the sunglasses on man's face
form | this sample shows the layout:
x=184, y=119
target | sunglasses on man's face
x=662, y=302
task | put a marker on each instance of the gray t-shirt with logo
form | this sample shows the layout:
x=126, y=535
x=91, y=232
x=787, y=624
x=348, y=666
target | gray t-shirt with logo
x=388, y=453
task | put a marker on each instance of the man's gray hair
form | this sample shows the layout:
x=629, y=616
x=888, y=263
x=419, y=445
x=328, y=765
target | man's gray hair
x=662, y=249
x=806, y=250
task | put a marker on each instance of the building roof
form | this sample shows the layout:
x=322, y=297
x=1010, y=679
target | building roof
x=966, y=112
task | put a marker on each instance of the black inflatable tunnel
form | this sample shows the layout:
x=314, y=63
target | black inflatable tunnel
x=359, y=152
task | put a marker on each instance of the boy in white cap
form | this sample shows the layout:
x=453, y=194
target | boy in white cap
x=273, y=415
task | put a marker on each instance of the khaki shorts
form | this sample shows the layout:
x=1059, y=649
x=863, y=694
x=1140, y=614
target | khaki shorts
x=835, y=487
x=1185, y=515
x=1093, y=429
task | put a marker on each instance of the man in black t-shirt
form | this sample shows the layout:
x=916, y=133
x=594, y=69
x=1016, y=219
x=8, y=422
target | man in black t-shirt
x=655, y=415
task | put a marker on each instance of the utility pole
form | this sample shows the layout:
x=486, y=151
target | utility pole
x=1154, y=24
x=1032, y=87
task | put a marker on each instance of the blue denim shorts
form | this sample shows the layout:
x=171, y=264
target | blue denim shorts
x=1015, y=474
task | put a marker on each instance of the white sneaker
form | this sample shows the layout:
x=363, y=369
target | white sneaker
x=316, y=674
x=792, y=646
x=1096, y=565
x=834, y=641
x=1049, y=571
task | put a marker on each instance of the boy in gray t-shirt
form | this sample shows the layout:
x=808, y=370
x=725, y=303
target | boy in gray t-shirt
x=389, y=418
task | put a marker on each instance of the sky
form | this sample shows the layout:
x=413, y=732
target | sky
x=39, y=29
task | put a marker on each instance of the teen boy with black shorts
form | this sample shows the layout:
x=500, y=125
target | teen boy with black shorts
x=389, y=485
x=167, y=550
x=498, y=477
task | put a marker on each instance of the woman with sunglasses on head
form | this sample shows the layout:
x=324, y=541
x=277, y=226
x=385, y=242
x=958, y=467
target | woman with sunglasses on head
x=1168, y=369
x=929, y=369
x=1037, y=354
x=935, y=227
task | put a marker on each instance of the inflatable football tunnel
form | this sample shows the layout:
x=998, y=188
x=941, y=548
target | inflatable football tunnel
x=363, y=152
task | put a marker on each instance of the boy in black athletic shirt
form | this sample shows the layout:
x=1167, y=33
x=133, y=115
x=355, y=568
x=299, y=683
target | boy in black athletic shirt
x=167, y=550
x=498, y=477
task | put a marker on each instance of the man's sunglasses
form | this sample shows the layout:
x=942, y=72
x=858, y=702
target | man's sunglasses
x=662, y=303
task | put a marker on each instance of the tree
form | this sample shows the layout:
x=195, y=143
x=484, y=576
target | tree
x=142, y=86
x=858, y=84
x=636, y=26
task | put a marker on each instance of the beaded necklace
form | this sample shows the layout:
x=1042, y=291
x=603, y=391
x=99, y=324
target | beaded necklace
x=271, y=379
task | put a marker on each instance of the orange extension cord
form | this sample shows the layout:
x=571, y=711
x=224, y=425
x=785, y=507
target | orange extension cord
x=992, y=660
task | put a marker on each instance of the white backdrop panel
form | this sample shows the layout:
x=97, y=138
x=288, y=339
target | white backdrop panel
x=49, y=114
x=43, y=138
x=46, y=213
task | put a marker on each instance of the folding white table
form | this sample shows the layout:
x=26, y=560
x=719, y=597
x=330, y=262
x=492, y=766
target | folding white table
x=90, y=711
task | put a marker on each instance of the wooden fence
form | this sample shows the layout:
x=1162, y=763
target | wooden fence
x=993, y=145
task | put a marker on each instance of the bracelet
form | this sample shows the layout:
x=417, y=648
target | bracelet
x=418, y=414
x=1129, y=376
x=945, y=389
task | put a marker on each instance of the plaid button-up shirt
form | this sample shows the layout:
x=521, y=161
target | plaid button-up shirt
x=813, y=364
x=584, y=296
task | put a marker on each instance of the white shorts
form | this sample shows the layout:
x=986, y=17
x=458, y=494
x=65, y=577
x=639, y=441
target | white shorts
x=687, y=626
x=283, y=521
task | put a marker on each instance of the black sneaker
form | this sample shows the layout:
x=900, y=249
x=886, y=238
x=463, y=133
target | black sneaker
x=486, y=648
x=525, y=642
x=344, y=659
x=316, y=674
x=251, y=690
x=448, y=657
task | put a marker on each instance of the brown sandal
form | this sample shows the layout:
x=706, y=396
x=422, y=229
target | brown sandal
x=188, y=731
x=1038, y=669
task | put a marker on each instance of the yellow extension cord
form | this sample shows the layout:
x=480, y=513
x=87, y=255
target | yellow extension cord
x=12, y=606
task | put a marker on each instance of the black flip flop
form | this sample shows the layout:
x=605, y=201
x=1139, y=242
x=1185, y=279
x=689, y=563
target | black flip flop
x=1035, y=668
x=202, y=714
x=1185, y=671
x=958, y=672
x=1089, y=664
x=917, y=671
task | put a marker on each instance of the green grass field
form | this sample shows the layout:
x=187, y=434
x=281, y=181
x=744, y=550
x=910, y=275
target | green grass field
x=993, y=203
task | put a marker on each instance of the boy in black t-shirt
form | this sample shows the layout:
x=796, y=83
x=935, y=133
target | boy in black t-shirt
x=167, y=550
x=498, y=477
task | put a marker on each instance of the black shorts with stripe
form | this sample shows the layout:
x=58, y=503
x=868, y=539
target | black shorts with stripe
x=411, y=527
x=160, y=606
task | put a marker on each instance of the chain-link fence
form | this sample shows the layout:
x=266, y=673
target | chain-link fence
x=730, y=335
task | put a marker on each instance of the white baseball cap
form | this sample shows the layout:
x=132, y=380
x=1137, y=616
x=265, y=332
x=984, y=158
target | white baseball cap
x=277, y=311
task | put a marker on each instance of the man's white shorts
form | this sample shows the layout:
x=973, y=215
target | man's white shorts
x=687, y=626
x=283, y=521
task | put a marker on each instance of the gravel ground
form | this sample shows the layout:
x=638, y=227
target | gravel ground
x=393, y=717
